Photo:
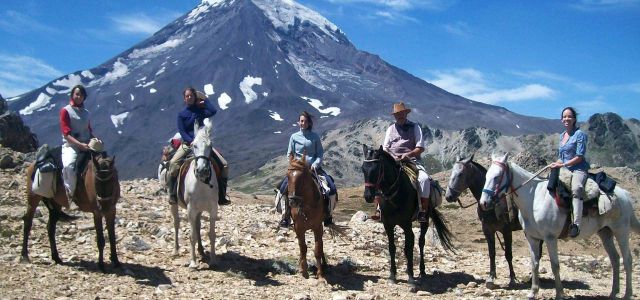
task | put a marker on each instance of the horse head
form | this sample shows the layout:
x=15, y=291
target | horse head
x=104, y=174
x=458, y=182
x=298, y=174
x=201, y=146
x=373, y=170
x=497, y=182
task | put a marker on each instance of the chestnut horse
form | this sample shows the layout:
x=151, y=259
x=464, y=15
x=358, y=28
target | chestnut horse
x=97, y=192
x=307, y=212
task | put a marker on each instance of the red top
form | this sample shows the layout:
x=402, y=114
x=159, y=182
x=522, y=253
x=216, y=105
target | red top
x=65, y=122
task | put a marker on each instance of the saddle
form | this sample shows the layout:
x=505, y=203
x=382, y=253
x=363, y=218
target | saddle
x=598, y=196
x=411, y=169
x=184, y=168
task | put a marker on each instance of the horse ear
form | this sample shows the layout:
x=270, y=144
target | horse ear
x=196, y=126
x=458, y=158
x=506, y=156
x=365, y=150
x=208, y=123
x=380, y=149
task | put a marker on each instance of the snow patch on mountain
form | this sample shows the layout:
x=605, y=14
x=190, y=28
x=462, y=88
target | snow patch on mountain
x=87, y=74
x=119, y=70
x=118, y=120
x=317, y=104
x=152, y=91
x=223, y=101
x=132, y=97
x=283, y=15
x=246, y=87
x=276, y=116
x=154, y=50
x=50, y=90
x=160, y=71
x=41, y=102
x=208, y=89
x=69, y=82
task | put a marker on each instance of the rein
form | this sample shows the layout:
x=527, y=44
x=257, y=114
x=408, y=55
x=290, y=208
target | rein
x=460, y=193
x=394, y=188
x=207, y=180
x=507, y=184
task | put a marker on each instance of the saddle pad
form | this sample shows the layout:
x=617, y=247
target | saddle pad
x=591, y=189
x=184, y=168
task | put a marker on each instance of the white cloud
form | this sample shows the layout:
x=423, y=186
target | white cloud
x=460, y=29
x=471, y=83
x=20, y=74
x=580, y=86
x=15, y=22
x=587, y=108
x=393, y=17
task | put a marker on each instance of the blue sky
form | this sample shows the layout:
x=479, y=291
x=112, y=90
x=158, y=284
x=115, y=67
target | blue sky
x=532, y=57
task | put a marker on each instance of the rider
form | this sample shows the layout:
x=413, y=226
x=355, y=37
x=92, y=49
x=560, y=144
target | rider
x=76, y=137
x=403, y=140
x=198, y=108
x=308, y=141
x=571, y=154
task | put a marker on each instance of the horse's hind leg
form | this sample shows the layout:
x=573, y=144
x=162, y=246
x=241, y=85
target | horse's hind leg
x=212, y=238
x=97, y=221
x=176, y=228
x=408, y=252
x=111, y=220
x=606, y=236
x=319, y=252
x=421, y=242
x=32, y=204
x=623, y=242
x=51, y=229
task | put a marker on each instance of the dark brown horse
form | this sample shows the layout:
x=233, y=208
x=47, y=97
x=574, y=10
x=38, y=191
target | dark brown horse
x=307, y=212
x=97, y=192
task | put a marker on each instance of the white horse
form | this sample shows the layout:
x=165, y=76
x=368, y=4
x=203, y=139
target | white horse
x=200, y=194
x=543, y=221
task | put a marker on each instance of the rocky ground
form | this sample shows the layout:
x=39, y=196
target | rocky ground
x=256, y=260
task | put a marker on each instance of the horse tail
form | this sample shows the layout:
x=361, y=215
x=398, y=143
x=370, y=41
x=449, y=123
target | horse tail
x=444, y=234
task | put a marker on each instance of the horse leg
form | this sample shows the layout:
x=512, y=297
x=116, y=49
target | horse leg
x=97, y=221
x=552, y=248
x=319, y=252
x=392, y=252
x=212, y=237
x=195, y=234
x=535, y=249
x=410, y=239
x=623, y=242
x=606, y=236
x=490, y=236
x=176, y=228
x=51, y=231
x=32, y=204
x=508, y=253
x=199, y=236
x=111, y=229
x=421, y=242
x=302, y=261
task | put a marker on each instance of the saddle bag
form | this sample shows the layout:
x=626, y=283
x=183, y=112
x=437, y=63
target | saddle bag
x=44, y=183
x=605, y=183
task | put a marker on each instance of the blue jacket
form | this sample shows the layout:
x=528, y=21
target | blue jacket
x=189, y=115
x=309, y=141
x=576, y=145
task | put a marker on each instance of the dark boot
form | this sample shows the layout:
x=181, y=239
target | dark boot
x=172, y=183
x=574, y=230
x=328, y=219
x=222, y=192
x=286, y=217
x=422, y=214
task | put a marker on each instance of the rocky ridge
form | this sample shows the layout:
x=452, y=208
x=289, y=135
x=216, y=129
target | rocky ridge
x=254, y=259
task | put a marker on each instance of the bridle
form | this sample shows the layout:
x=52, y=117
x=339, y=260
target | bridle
x=458, y=192
x=500, y=192
x=207, y=179
x=393, y=189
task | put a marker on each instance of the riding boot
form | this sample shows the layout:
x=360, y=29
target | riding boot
x=328, y=219
x=574, y=229
x=222, y=192
x=286, y=217
x=422, y=214
x=172, y=183
x=376, y=215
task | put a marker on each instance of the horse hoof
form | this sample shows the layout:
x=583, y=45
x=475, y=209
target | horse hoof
x=25, y=260
x=193, y=265
x=490, y=285
x=175, y=253
x=305, y=275
x=116, y=264
x=57, y=260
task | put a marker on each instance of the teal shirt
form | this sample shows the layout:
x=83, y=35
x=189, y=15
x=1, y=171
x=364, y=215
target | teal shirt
x=309, y=141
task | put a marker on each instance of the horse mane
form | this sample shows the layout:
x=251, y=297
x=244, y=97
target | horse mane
x=479, y=166
x=203, y=135
x=386, y=154
x=297, y=164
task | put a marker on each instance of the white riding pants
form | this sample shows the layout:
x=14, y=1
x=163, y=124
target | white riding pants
x=69, y=159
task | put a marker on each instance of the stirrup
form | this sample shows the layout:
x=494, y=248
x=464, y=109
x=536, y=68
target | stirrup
x=284, y=223
x=422, y=217
x=376, y=216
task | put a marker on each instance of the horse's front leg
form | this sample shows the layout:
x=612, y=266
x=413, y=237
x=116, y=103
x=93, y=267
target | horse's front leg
x=392, y=252
x=606, y=236
x=535, y=249
x=176, y=228
x=302, y=260
x=490, y=236
x=194, y=222
x=199, y=236
x=51, y=231
x=421, y=243
x=32, y=204
x=110, y=218
x=408, y=253
x=319, y=251
x=212, y=237
x=97, y=221
x=508, y=253
x=623, y=242
x=552, y=248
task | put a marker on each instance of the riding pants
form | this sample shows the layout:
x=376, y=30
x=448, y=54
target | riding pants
x=578, y=180
x=69, y=168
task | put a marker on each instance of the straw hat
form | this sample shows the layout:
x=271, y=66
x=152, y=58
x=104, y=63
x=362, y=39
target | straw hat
x=96, y=145
x=201, y=96
x=400, y=107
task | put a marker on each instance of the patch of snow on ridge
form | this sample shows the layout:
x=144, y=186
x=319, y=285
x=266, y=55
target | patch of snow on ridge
x=152, y=90
x=334, y=111
x=245, y=87
x=283, y=14
x=276, y=116
x=132, y=97
x=119, y=70
x=88, y=74
x=155, y=49
x=68, y=82
x=118, y=119
x=160, y=71
x=50, y=90
x=41, y=101
x=223, y=101
x=208, y=89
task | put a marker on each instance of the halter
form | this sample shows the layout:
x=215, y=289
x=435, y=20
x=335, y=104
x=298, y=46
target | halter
x=497, y=189
x=460, y=192
x=207, y=180
x=393, y=188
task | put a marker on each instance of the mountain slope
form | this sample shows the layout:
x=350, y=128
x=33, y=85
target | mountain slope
x=262, y=63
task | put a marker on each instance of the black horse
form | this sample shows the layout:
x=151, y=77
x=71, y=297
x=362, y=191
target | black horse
x=469, y=174
x=398, y=206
